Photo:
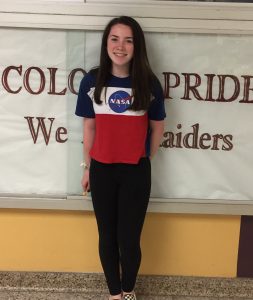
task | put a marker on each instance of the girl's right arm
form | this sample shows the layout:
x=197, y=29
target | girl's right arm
x=89, y=129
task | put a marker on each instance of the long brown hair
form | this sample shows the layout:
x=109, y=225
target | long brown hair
x=142, y=77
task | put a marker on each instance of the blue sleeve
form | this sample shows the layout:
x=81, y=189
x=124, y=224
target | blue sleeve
x=156, y=111
x=84, y=105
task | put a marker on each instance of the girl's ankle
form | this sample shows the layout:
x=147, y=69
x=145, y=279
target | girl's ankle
x=115, y=297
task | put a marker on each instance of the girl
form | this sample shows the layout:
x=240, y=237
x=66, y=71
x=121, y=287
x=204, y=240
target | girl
x=122, y=104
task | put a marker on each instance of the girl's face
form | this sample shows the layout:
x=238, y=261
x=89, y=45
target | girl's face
x=120, y=48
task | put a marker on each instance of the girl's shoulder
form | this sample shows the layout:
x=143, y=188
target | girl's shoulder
x=89, y=78
x=93, y=72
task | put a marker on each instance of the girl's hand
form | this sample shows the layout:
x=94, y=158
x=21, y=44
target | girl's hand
x=85, y=182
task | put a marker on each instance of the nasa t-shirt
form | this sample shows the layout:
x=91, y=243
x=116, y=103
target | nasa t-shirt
x=121, y=134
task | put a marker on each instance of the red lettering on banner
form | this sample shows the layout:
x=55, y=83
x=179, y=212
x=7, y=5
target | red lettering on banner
x=246, y=90
x=41, y=125
x=52, y=89
x=45, y=132
x=193, y=88
x=59, y=132
x=168, y=85
x=179, y=137
x=196, y=140
x=42, y=80
x=71, y=79
x=221, y=97
x=227, y=139
x=209, y=89
x=191, y=139
x=5, y=82
x=204, y=137
x=28, y=77
x=192, y=82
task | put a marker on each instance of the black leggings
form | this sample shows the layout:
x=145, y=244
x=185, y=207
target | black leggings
x=120, y=194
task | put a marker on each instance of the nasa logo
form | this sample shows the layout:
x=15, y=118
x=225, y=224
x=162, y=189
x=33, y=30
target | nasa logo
x=120, y=101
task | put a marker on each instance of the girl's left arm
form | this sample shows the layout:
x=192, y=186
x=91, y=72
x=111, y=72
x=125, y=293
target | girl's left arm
x=157, y=129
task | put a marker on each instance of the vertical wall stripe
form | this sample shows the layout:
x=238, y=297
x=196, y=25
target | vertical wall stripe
x=245, y=252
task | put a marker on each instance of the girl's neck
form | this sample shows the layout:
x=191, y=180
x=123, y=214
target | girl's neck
x=120, y=72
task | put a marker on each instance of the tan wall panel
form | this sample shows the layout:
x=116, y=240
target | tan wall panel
x=198, y=245
x=195, y=245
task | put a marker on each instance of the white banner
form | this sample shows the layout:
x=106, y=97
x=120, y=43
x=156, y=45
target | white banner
x=38, y=74
x=207, y=146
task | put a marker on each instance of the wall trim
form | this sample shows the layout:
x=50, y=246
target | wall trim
x=154, y=16
x=156, y=205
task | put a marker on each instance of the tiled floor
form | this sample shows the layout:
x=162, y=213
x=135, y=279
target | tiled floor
x=22, y=295
x=91, y=286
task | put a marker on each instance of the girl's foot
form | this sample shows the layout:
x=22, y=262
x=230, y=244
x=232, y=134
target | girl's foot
x=129, y=296
x=115, y=297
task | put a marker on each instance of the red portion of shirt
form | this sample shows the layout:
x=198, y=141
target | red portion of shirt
x=119, y=138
